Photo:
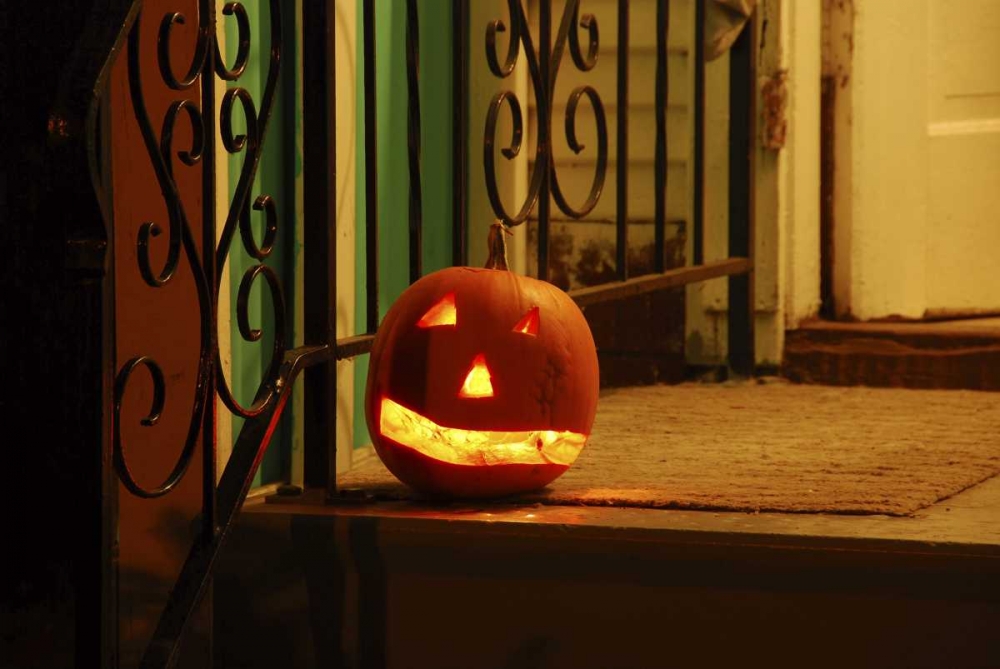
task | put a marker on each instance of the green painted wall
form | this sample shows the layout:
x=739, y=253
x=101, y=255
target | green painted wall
x=277, y=170
x=393, y=171
x=280, y=167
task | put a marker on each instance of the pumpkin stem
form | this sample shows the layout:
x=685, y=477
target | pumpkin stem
x=497, y=258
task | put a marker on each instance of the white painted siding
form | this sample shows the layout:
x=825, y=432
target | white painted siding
x=575, y=172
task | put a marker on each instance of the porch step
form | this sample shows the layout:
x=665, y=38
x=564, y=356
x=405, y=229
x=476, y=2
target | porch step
x=945, y=354
x=304, y=584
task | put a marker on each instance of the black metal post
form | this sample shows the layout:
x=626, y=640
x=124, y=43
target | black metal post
x=698, y=150
x=660, y=168
x=320, y=240
x=741, y=201
x=371, y=168
x=413, y=138
x=460, y=136
x=621, y=245
x=544, y=132
x=208, y=242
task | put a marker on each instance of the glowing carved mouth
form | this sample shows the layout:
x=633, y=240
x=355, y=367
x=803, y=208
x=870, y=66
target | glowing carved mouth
x=477, y=447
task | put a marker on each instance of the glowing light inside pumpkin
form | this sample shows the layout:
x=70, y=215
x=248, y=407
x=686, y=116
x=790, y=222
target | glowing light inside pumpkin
x=442, y=313
x=477, y=447
x=529, y=324
x=477, y=381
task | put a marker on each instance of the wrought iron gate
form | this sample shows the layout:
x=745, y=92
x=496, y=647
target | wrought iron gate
x=545, y=54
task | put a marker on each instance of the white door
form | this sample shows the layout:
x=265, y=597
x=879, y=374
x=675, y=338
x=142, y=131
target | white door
x=917, y=192
x=963, y=241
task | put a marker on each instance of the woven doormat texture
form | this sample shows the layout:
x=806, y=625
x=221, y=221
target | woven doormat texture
x=771, y=446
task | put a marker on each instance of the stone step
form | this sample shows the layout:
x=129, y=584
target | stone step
x=305, y=584
x=944, y=354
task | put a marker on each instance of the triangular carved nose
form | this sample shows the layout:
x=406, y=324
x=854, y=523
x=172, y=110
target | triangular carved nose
x=477, y=381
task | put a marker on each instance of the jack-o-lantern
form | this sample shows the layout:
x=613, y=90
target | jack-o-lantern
x=481, y=382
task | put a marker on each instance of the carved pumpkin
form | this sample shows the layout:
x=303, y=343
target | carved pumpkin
x=481, y=382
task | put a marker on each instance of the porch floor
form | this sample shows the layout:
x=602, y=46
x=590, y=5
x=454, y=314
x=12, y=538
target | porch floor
x=966, y=524
x=962, y=516
x=768, y=446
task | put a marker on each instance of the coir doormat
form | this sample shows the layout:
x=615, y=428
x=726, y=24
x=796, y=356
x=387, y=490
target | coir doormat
x=773, y=446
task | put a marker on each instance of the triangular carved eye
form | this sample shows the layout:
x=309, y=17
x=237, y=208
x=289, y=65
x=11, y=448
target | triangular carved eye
x=529, y=323
x=442, y=313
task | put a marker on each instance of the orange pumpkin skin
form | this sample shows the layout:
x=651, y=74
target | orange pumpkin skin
x=547, y=381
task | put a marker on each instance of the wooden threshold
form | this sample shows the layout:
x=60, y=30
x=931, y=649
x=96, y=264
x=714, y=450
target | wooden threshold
x=960, y=354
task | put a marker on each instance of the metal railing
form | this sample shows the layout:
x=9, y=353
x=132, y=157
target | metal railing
x=544, y=62
x=545, y=54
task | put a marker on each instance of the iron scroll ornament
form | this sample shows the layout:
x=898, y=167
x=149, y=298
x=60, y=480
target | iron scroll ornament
x=544, y=95
x=207, y=63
